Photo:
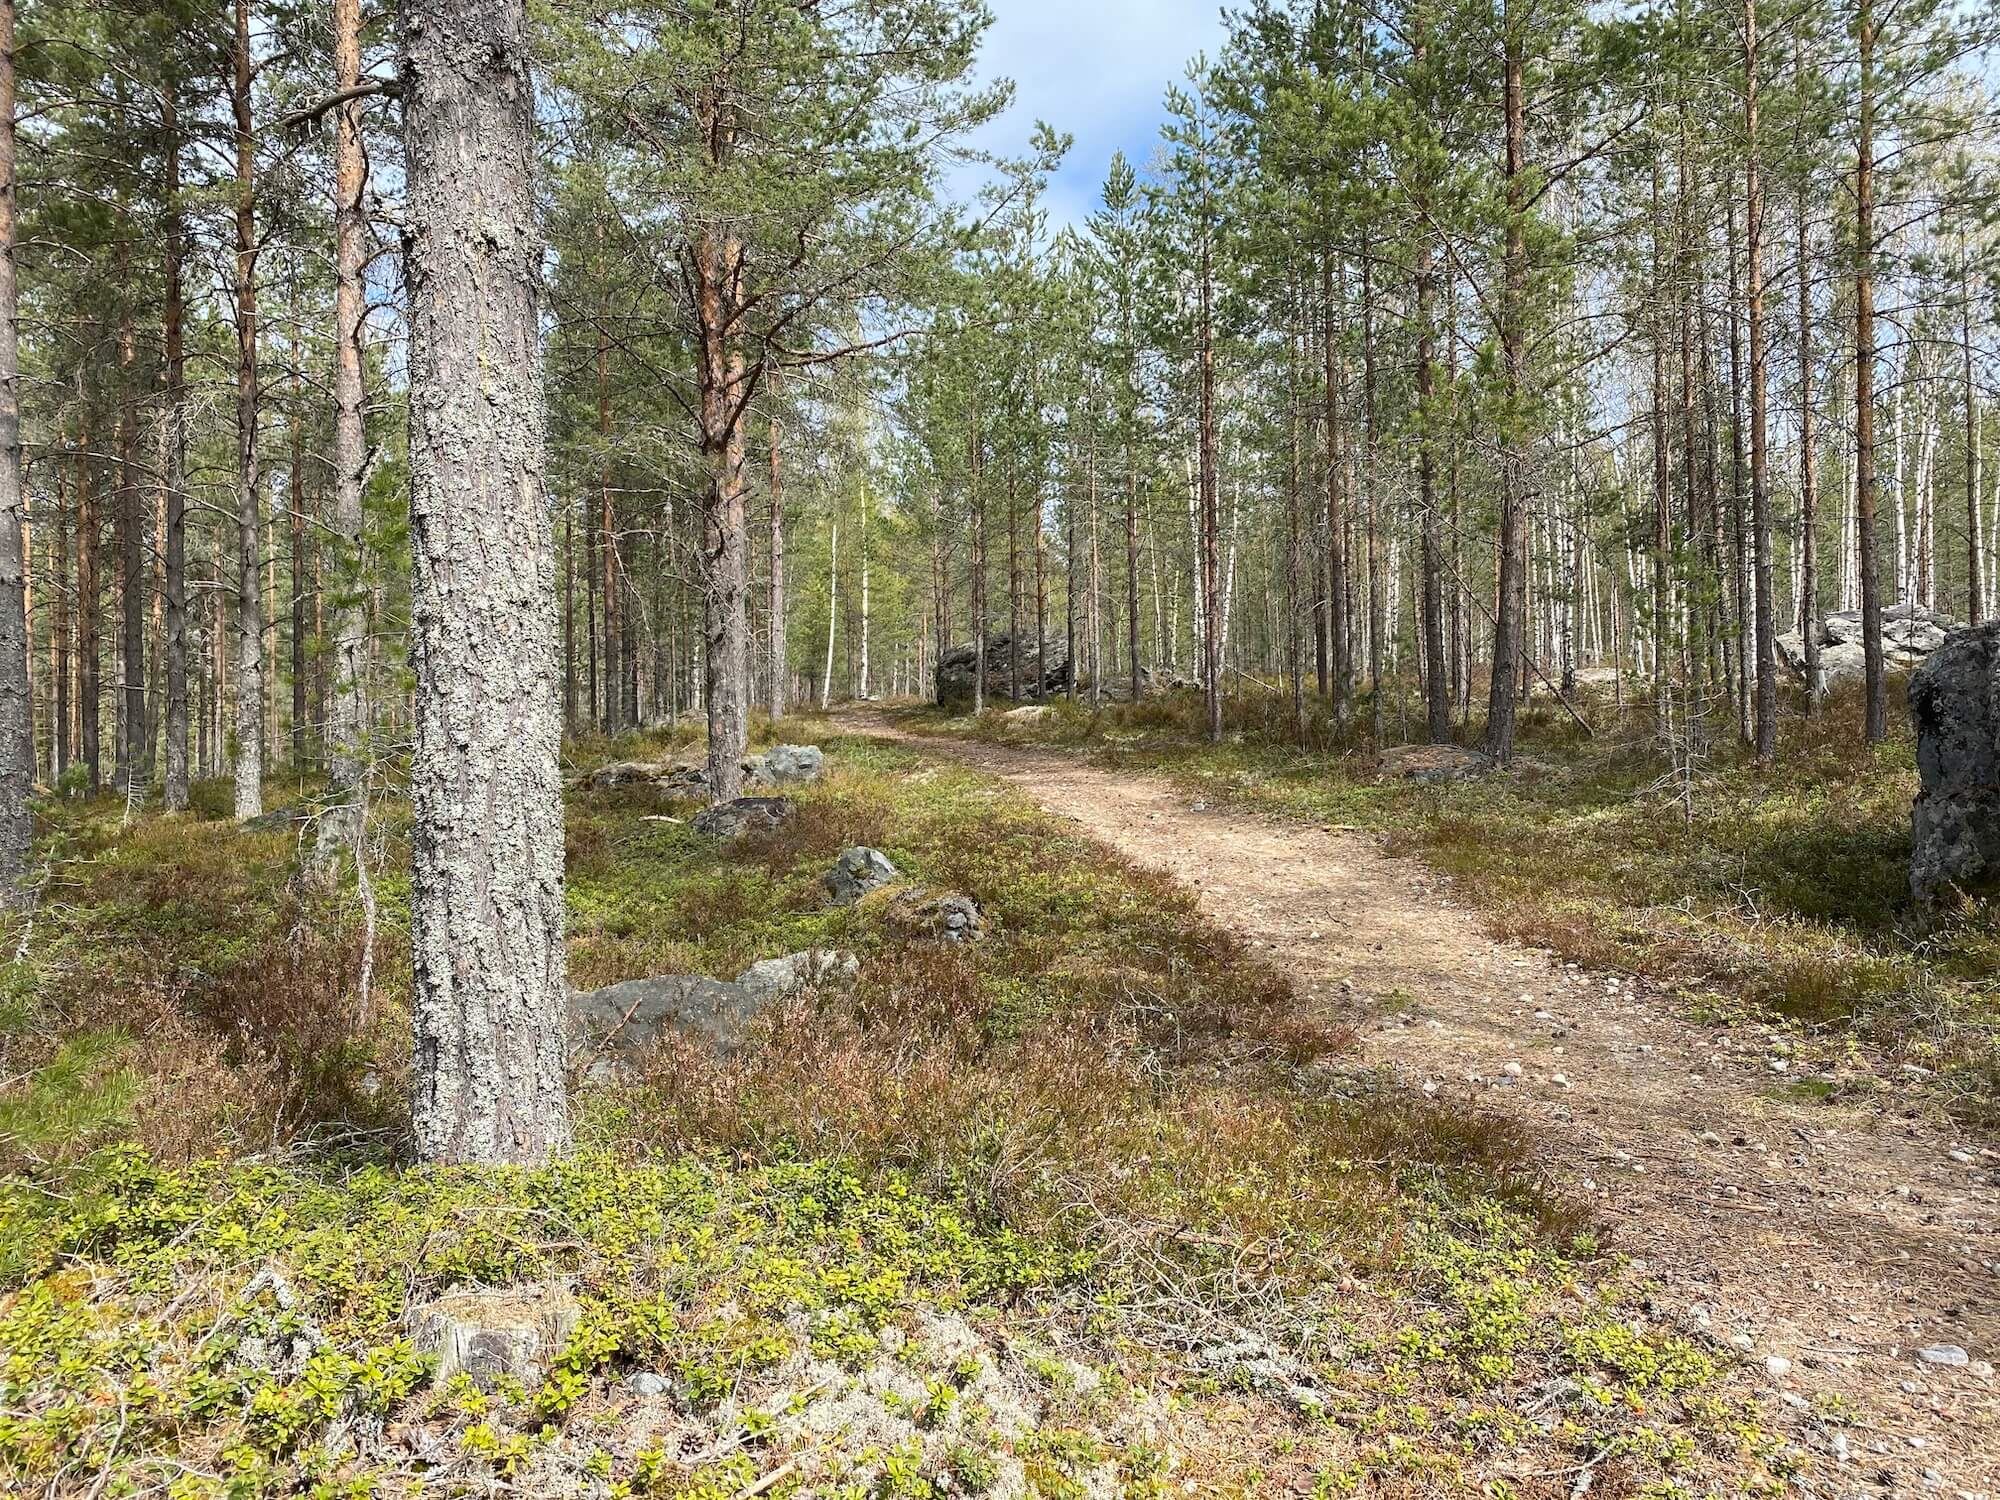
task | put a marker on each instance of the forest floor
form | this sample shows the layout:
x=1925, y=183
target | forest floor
x=1204, y=1173
x=1829, y=1239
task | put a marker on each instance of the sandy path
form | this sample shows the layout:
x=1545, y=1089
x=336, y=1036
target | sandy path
x=1838, y=1240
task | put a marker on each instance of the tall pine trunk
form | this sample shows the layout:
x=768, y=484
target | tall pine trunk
x=1765, y=606
x=173, y=580
x=1808, y=437
x=1877, y=723
x=726, y=664
x=486, y=907
x=343, y=731
x=1339, y=639
x=1509, y=616
x=1975, y=592
x=1437, y=674
x=128, y=540
x=779, y=655
x=249, y=500
x=17, y=721
x=1211, y=593
x=296, y=492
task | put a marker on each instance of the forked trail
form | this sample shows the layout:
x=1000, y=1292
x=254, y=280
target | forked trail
x=1830, y=1243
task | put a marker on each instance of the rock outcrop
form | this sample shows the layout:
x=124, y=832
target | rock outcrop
x=668, y=779
x=782, y=765
x=1955, y=705
x=612, y=1029
x=619, y=1023
x=918, y=913
x=857, y=872
x=731, y=820
x=958, y=670
x=1433, y=764
x=1910, y=633
x=786, y=765
x=779, y=978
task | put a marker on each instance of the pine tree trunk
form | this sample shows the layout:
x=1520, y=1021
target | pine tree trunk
x=61, y=656
x=612, y=582
x=1340, y=651
x=1132, y=662
x=174, y=564
x=862, y=685
x=832, y=613
x=1663, y=497
x=1437, y=675
x=1877, y=726
x=491, y=989
x=1378, y=582
x=249, y=506
x=343, y=731
x=1974, y=588
x=1808, y=451
x=89, y=618
x=779, y=654
x=1211, y=642
x=726, y=663
x=569, y=618
x=128, y=540
x=1509, y=616
x=296, y=486
x=975, y=472
x=17, y=722
x=1765, y=607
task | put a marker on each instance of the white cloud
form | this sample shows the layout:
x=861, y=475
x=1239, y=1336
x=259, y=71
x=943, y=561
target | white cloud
x=1097, y=69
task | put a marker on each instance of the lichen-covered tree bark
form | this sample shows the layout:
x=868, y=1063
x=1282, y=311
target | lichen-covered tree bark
x=17, y=735
x=487, y=841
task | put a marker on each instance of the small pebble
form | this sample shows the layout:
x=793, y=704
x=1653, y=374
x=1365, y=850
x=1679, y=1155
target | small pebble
x=1943, y=1354
x=1777, y=1366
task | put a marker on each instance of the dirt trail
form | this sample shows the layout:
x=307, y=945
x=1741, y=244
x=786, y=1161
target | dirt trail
x=1832, y=1243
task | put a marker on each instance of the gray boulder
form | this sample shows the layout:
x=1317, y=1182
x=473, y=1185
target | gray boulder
x=950, y=919
x=1433, y=765
x=780, y=978
x=958, y=671
x=622, y=773
x=857, y=872
x=491, y=1334
x=1118, y=685
x=1910, y=633
x=613, y=1028
x=631, y=775
x=731, y=820
x=1955, y=826
x=786, y=765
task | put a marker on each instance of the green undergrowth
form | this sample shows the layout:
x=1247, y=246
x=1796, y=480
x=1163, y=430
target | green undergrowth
x=1095, y=1206
x=238, y=1330
x=1769, y=895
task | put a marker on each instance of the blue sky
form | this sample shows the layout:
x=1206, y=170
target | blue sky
x=1097, y=69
